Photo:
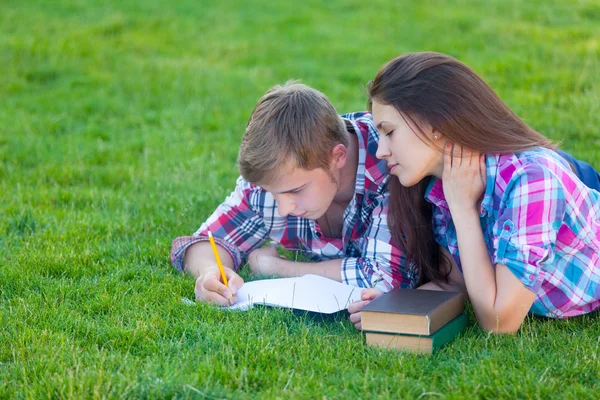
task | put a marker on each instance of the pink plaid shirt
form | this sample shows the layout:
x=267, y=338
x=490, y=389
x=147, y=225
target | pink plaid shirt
x=540, y=221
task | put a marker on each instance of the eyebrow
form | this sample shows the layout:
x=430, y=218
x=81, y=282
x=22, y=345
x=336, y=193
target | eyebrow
x=380, y=124
x=294, y=189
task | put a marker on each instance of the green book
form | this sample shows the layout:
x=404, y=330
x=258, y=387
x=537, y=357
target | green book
x=419, y=343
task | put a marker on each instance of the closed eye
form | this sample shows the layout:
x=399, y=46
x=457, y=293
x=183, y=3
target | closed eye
x=389, y=133
x=295, y=190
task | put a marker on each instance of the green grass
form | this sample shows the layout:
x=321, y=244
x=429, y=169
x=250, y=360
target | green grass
x=119, y=128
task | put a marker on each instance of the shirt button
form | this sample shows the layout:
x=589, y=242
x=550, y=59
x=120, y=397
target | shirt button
x=318, y=234
x=507, y=228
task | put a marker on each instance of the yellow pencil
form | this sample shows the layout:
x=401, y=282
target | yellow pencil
x=215, y=251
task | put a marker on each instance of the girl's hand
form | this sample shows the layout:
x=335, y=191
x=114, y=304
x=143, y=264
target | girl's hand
x=464, y=178
x=367, y=296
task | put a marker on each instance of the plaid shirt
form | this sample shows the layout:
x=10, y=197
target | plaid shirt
x=248, y=218
x=540, y=221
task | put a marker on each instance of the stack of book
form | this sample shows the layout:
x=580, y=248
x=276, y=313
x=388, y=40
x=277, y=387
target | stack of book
x=415, y=320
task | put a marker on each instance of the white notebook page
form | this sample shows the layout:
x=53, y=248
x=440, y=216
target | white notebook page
x=309, y=292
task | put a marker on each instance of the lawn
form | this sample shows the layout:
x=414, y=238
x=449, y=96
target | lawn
x=119, y=129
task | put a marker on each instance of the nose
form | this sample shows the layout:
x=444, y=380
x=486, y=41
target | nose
x=285, y=205
x=383, y=150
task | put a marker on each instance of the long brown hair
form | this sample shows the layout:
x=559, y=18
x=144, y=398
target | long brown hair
x=440, y=90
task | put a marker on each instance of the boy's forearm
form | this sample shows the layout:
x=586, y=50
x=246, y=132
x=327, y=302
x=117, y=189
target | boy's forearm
x=330, y=269
x=199, y=256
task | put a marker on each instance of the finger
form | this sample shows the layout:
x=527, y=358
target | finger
x=355, y=307
x=216, y=286
x=215, y=298
x=205, y=296
x=448, y=157
x=457, y=155
x=358, y=326
x=370, y=294
x=483, y=169
x=482, y=166
x=355, y=318
x=467, y=156
x=235, y=281
x=474, y=158
x=477, y=159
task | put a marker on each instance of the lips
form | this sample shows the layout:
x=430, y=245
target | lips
x=392, y=166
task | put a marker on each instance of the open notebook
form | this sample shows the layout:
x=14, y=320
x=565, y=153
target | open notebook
x=309, y=292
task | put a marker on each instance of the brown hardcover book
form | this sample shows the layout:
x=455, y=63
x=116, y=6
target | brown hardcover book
x=412, y=311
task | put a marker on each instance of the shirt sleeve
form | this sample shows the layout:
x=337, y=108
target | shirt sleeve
x=381, y=265
x=531, y=212
x=236, y=224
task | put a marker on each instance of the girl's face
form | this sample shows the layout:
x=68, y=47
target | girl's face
x=407, y=155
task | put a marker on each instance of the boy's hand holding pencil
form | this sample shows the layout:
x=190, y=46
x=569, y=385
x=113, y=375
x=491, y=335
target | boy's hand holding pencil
x=218, y=284
x=210, y=287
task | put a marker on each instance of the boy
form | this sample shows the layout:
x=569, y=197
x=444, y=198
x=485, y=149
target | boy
x=309, y=181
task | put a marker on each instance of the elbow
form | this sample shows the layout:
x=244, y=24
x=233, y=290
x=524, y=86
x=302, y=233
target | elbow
x=499, y=325
x=500, y=330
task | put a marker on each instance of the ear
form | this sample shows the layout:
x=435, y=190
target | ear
x=339, y=156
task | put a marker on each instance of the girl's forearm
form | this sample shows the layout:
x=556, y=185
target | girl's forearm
x=478, y=271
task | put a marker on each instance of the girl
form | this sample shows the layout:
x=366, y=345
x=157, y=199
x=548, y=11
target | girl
x=481, y=200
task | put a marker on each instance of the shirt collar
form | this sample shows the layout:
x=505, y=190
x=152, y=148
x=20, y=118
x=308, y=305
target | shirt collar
x=434, y=193
x=353, y=129
x=491, y=168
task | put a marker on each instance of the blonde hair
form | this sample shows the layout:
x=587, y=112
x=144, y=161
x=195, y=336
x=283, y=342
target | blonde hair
x=293, y=124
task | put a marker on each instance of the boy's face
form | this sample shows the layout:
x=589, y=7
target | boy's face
x=303, y=193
